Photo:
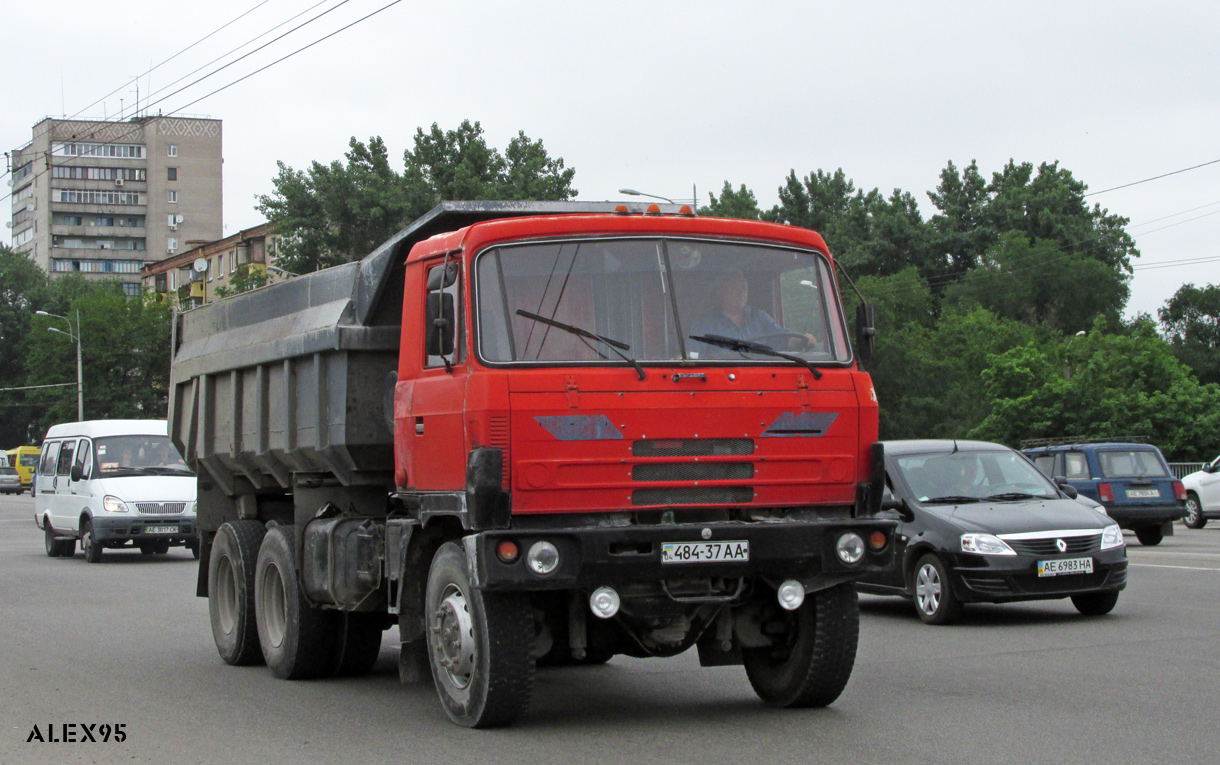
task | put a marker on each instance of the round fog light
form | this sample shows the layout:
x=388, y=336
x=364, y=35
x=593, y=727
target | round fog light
x=791, y=595
x=850, y=548
x=604, y=602
x=542, y=558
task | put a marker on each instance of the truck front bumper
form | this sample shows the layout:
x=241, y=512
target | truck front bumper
x=621, y=555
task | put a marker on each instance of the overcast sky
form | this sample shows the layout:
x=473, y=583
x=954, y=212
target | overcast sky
x=667, y=97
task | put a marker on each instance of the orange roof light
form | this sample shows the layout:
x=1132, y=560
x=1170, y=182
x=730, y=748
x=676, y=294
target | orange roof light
x=653, y=209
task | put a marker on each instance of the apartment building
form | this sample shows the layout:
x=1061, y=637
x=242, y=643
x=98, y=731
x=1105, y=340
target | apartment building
x=215, y=269
x=103, y=198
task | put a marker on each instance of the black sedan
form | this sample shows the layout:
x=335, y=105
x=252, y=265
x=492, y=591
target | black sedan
x=983, y=525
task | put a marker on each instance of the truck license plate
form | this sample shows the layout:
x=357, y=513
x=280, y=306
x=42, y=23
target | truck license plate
x=1143, y=493
x=1065, y=566
x=704, y=552
x=160, y=529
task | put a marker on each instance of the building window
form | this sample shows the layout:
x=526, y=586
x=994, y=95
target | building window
x=173, y=280
x=172, y=173
x=171, y=150
x=220, y=264
x=132, y=290
x=171, y=244
x=209, y=269
x=173, y=197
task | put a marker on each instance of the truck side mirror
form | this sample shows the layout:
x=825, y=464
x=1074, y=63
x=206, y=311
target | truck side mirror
x=441, y=319
x=77, y=473
x=866, y=332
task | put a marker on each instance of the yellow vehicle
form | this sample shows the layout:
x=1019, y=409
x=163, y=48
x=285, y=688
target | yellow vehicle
x=25, y=459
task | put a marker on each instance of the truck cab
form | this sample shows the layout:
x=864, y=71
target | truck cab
x=531, y=433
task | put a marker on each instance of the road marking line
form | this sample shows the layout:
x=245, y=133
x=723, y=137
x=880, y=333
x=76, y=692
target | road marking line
x=1188, y=568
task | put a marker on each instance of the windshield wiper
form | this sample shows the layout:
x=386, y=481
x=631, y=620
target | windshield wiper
x=956, y=499
x=613, y=345
x=1014, y=496
x=745, y=345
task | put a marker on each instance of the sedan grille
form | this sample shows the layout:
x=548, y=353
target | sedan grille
x=1075, y=545
x=160, y=508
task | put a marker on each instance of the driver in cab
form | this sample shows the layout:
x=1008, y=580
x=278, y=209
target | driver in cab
x=733, y=317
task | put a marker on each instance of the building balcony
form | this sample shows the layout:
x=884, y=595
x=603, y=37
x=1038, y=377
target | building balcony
x=126, y=232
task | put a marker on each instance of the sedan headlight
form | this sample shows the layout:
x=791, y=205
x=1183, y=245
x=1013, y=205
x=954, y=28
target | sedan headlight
x=113, y=504
x=1112, y=537
x=985, y=544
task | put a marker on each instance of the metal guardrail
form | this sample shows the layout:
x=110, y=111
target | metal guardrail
x=1183, y=469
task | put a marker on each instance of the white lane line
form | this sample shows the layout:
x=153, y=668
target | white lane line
x=1188, y=568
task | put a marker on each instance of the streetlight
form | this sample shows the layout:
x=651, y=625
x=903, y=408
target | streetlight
x=80, y=375
x=634, y=193
x=277, y=269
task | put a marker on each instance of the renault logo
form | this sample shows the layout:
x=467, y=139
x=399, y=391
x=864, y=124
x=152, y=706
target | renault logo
x=1063, y=546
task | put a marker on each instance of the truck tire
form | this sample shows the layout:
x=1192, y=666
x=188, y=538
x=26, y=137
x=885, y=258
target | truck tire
x=231, y=591
x=56, y=547
x=813, y=658
x=357, y=644
x=296, y=638
x=479, y=645
x=88, y=542
x=1194, y=512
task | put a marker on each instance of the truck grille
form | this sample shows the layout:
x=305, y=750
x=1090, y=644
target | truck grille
x=160, y=508
x=693, y=471
x=693, y=447
x=694, y=495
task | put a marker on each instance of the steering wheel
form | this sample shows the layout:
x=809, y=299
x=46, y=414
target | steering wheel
x=785, y=335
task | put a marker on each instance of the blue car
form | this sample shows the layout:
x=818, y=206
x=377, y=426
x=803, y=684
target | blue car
x=1131, y=480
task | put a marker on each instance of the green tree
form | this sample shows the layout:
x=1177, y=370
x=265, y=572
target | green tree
x=24, y=288
x=244, y=279
x=124, y=350
x=1102, y=385
x=1191, y=320
x=732, y=204
x=341, y=212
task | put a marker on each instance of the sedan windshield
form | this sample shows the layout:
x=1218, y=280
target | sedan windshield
x=658, y=300
x=138, y=455
x=970, y=475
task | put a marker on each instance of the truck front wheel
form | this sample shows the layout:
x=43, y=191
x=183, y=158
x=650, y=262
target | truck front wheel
x=296, y=638
x=231, y=591
x=479, y=645
x=814, y=650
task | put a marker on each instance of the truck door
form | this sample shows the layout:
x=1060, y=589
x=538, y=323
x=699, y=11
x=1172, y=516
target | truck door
x=44, y=496
x=77, y=496
x=438, y=453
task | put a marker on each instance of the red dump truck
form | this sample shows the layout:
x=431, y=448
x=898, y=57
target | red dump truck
x=528, y=433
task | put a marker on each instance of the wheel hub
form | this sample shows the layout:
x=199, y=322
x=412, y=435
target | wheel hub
x=927, y=590
x=453, y=637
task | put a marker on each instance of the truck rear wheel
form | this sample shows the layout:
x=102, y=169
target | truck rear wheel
x=814, y=650
x=479, y=645
x=231, y=591
x=296, y=638
x=357, y=644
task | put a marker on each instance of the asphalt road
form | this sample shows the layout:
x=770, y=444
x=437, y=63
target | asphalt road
x=126, y=642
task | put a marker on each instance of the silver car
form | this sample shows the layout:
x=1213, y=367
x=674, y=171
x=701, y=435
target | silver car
x=10, y=482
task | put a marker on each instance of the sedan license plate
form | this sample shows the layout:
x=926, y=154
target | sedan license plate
x=1143, y=493
x=160, y=529
x=1065, y=566
x=704, y=552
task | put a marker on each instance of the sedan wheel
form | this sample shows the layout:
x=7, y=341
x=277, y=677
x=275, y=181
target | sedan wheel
x=1194, y=512
x=934, y=598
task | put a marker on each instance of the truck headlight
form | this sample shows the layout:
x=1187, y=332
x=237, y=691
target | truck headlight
x=542, y=558
x=850, y=548
x=113, y=504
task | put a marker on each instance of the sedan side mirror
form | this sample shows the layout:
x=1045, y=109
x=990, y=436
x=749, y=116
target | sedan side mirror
x=1068, y=489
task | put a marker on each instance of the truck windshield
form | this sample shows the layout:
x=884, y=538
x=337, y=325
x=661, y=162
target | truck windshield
x=656, y=296
x=138, y=455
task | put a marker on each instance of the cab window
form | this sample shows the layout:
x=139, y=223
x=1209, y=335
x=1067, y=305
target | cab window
x=84, y=458
x=64, y=466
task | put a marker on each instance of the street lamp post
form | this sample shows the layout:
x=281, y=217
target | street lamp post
x=634, y=193
x=80, y=372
